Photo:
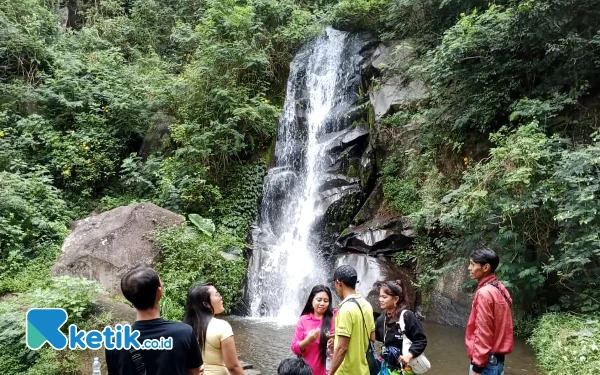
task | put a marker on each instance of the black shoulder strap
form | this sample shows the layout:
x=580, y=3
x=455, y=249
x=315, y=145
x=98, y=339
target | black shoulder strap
x=138, y=362
x=495, y=284
x=364, y=322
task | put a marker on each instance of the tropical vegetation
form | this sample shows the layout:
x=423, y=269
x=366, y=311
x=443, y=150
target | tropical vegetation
x=175, y=102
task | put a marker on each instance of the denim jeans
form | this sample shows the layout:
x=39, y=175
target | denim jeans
x=491, y=370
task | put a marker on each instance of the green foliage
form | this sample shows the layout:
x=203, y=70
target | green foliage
x=34, y=273
x=578, y=258
x=53, y=362
x=188, y=257
x=231, y=115
x=108, y=202
x=403, y=195
x=426, y=259
x=139, y=176
x=566, y=344
x=356, y=15
x=532, y=201
x=492, y=59
x=73, y=294
x=243, y=190
x=423, y=20
x=205, y=226
x=77, y=102
x=77, y=120
x=26, y=27
x=413, y=186
x=533, y=195
x=33, y=220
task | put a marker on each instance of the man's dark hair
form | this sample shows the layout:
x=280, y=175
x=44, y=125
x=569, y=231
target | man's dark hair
x=139, y=286
x=294, y=366
x=347, y=275
x=485, y=255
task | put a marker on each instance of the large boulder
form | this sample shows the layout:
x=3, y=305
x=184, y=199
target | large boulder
x=105, y=246
x=447, y=303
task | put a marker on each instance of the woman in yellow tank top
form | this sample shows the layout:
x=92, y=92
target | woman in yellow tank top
x=215, y=336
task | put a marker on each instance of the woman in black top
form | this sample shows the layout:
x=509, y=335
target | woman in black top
x=392, y=301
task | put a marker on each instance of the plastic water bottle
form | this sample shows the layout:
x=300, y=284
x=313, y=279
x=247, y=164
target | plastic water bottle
x=328, y=357
x=96, y=366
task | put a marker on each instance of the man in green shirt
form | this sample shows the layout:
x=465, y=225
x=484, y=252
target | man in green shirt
x=353, y=328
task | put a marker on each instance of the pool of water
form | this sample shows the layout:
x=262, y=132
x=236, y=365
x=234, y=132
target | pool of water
x=265, y=343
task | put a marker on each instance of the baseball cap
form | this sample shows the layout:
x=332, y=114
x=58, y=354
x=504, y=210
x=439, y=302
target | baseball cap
x=346, y=274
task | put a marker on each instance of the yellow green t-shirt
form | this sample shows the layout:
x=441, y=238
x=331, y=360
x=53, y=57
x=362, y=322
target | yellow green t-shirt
x=349, y=323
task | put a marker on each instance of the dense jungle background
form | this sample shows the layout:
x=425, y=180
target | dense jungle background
x=108, y=102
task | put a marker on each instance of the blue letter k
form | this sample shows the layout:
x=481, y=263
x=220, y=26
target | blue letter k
x=43, y=326
x=130, y=338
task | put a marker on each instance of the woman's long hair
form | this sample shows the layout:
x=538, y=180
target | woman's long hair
x=395, y=289
x=199, y=311
x=326, y=323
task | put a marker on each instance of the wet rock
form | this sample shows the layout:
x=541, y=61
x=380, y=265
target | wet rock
x=391, y=60
x=230, y=256
x=339, y=206
x=367, y=170
x=371, y=206
x=447, y=303
x=245, y=365
x=105, y=246
x=337, y=181
x=344, y=161
x=339, y=141
x=342, y=192
x=372, y=271
x=393, y=93
x=356, y=135
x=381, y=235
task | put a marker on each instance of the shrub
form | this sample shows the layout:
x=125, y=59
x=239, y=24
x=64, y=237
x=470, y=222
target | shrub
x=567, y=344
x=33, y=220
x=357, y=15
x=75, y=295
x=189, y=256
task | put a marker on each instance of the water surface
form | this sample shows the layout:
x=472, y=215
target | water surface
x=265, y=343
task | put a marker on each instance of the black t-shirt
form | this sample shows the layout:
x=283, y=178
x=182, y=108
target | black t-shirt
x=393, y=336
x=184, y=355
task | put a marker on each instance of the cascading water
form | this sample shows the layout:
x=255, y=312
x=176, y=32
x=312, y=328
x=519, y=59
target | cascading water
x=286, y=261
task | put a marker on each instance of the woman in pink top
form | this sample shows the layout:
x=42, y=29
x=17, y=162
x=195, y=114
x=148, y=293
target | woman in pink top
x=316, y=320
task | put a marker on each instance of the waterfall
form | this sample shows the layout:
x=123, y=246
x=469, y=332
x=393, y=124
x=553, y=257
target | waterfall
x=286, y=260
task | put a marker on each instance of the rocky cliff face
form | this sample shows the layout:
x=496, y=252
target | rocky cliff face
x=367, y=233
x=373, y=229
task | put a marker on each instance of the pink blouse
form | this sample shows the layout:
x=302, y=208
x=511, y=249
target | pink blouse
x=311, y=354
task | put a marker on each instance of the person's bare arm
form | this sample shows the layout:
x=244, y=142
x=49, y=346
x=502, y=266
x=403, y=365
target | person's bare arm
x=339, y=354
x=230, y=356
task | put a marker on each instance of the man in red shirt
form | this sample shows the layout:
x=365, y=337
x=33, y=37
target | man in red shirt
x=489, y=335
